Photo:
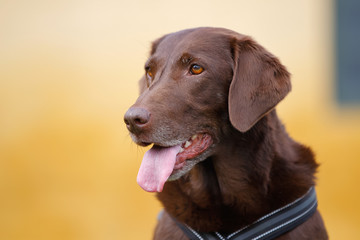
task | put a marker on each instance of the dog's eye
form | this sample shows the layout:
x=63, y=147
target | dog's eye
x=149, y=75
x=196, y=69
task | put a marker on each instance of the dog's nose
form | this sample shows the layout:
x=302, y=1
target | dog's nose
x=136, y=119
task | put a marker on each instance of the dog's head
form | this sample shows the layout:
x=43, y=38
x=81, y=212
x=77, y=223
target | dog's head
x=197, y=84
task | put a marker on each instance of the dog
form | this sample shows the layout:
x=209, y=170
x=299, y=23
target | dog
x=221, y=159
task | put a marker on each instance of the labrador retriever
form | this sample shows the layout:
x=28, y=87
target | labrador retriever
x=221, y=160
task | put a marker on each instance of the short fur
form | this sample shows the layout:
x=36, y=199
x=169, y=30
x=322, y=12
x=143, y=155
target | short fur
x=253, y=166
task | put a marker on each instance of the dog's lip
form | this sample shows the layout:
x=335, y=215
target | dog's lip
x=189, y=149
x=167, y=162
x=192, y=148
x=183, y=142
x=144, y=144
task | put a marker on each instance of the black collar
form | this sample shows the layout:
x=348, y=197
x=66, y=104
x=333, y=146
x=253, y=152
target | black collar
x=269, y=226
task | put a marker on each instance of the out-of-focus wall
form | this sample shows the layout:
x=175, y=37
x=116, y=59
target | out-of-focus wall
x=69, y=71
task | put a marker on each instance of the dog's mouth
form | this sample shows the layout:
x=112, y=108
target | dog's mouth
x=161, y=164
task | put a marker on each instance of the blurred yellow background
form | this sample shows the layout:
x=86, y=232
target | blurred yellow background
x=69, y=71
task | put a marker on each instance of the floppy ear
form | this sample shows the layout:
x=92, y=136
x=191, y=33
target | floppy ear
x=259, y=82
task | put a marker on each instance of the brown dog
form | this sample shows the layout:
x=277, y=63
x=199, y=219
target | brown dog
x=221, y=159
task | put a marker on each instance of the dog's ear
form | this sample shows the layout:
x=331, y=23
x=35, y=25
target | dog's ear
x=259, y=82
x=156, y=43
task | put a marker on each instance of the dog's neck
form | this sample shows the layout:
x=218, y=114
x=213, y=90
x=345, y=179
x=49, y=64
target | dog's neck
x=246, y=179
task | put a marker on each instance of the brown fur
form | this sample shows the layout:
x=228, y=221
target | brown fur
x=253, y=167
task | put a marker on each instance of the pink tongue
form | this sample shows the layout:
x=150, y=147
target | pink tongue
x=156, y=167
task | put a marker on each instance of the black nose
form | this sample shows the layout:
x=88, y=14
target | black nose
x=136, y=119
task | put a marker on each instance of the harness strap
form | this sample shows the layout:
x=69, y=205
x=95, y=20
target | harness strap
x=267, y=227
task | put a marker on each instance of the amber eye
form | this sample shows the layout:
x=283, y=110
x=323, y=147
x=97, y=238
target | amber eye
x=149, y=73
x=196, y=69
